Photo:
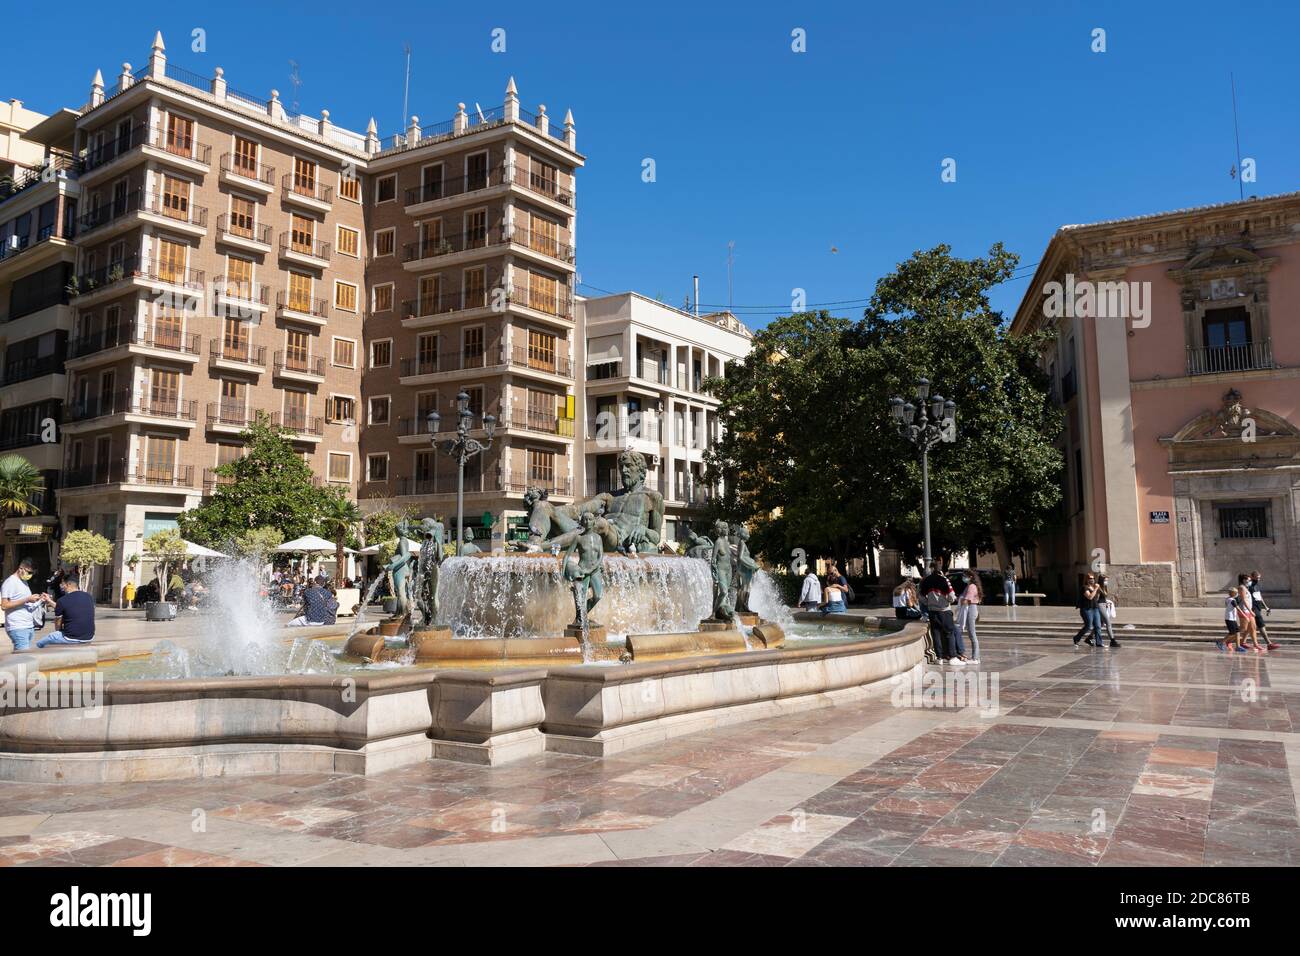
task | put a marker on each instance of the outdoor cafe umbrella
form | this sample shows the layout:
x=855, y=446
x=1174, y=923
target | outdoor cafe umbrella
x=198, y=551
x=311, y=544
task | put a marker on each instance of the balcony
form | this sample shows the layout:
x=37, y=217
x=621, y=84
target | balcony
x=304, y=427
x=542, y=186
x=308, y=193
x=156, y=342
x=24, y=370
x=539, y=422
x=120, y=472
x=100, y=156
x=170, y=411
x=252, y=238
x=212, y=480
x=422, y=252
x=446, y=485
x=238, y=356
x=1217, y=359
x=237, y=171
x=548, y=363
x=557, y=304
x=109, y=280
x=169, y=146
x=229, y=417
x=240, y=298
x=453, y=362
x=559, y=487
x=175, y=213
x=432, y=306
x=61, y=166
x=301, y=308
x=611, y=483
x=421, y=199
x=614, y=435
x=307, y=252
x=301, y=368
x=544, y=244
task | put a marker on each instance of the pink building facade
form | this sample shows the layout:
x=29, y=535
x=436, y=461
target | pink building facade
x=1175, y=352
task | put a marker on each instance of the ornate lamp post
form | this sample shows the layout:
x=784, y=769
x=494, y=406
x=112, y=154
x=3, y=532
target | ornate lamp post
x=462, y=448
x=934, y=423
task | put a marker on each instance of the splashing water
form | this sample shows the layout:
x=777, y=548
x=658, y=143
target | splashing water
x=364, y=606
x=765, y=601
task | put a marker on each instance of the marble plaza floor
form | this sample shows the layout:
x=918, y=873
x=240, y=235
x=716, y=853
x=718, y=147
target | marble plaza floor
x=1153, y=755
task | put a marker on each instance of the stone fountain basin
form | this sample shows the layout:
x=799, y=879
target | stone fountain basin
x=365, y=724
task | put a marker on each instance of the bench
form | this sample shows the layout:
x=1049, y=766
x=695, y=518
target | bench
x=1037, y=598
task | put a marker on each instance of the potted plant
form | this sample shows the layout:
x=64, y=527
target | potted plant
x=167, y=550
x=73, y=288
x=116, y=273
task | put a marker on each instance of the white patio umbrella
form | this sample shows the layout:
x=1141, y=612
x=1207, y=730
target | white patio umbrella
x=198, y=551
x=374, y=548
x=310, y=544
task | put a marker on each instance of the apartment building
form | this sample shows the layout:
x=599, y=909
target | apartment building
x=644, y=366
x=470, y=274
x=207, y=255
x=1182, y=429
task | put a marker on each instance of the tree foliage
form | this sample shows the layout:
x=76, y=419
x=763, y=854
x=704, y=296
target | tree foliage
x=259, y=543
x=811, y=457
x=20, y=481
x=340, y=517
x=84, y=549
x=270, y=487
x=166, y=549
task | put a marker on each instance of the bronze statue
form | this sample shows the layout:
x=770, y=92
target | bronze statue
x=698, y=546
x=743, y=565
x=724, y=601
x=633, y=520
x=424, y=587
x=582, y=564
x=467, y=545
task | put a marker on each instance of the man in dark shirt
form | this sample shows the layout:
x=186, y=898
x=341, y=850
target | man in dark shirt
x=937, y=597
x=318, y=606
x=74, y=615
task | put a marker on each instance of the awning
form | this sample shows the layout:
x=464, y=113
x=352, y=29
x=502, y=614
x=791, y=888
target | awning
x=604, y=348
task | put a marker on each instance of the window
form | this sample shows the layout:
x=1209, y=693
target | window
x=377, y=467
x=160, y=459
x=171, y=261
x=1227, y=340
x=180, y=135
x=1243, y=521
x=340, y=466
x=430, y=294
x=541, y=350
x=297, y=349
x=475, y=288
x=386, y=189
x=301, y=233
x=380, y=409
x=426, y=350
x=476, y=229
x=243, y=216
x=541, y=467
x=349, y=241
x=300, y=292
x=431, y=182
x=476, y=171
x=245, y=158
x=345, y=352
x=383, y=298
x=472, y=347
x=345, y=296
x=295, y=409
x=239, y=278
x=176, y=198
x=543, y=293
x=545, y=236
x=234, y=340
x=385, y=242
x=168, y=325
x=304, y=176
x=342, y=408
x=164, y=391
x=234, y=398
x=349, y=184
x=543, y=177
x=381, y=353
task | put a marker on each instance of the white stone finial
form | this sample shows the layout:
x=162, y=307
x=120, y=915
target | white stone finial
x=98, y=80
x=219, y=72
x=325, y=114
x=158, y=41
x=511, y=89
x=372, y=129
x=415, y=120
x=568, y=118
x=275, y=94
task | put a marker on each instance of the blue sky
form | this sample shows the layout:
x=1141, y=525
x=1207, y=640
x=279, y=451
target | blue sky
x=823, y=167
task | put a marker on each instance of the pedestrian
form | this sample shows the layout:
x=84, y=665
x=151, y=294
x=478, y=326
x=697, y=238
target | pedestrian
x=810, y=598
x=1089, y=598
x=18, y=603
x=74, y=615
x=1009, y=585
x=937, y=597
x=319, y=606
x=1261, y=609
x=834, y=595
x=1107, y=608
x=1246, y=615
x=968, y=611
x=1232, y=623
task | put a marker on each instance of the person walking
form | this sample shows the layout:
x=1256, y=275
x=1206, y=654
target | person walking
x=74, y=615
x=968, y=612
x=1009, y=585
x=19, y=604
x=1106, y=605
x=1261, y=609
x=1232, y=623
x=1089, y=598
x=1246, y=615
x=811, y=595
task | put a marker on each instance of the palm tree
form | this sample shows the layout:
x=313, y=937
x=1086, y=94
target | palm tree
x=20, y=482
x=339, y=518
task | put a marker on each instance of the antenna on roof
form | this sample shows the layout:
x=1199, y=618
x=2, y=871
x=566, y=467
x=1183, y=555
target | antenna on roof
x=296, y=80
x=479, y=110
x=731, y=248
x=1236, y=170
x=406, y=92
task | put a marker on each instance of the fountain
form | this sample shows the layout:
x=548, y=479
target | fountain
x=589, y=585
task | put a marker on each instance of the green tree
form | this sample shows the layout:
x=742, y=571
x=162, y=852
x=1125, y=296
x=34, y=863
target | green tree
x=812, y=459
x=20, y=482
x=166, y=549
x=339, y=518
x=83, y=550
x=380, y=527
x=259, y=543
x=271, y=486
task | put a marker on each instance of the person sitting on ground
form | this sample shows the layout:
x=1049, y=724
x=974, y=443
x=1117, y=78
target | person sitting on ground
x=905, y=604
x=318, y=606
x=74, y=615
x=811, y=595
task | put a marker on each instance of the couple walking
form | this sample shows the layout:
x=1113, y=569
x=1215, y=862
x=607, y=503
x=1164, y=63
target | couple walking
x=1243, y=616
x=1097, y=608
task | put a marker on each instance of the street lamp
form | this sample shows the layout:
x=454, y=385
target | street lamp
x=462, y=448
x=930, y=421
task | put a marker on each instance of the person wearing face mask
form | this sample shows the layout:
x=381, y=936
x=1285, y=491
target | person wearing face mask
x=18, y=602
